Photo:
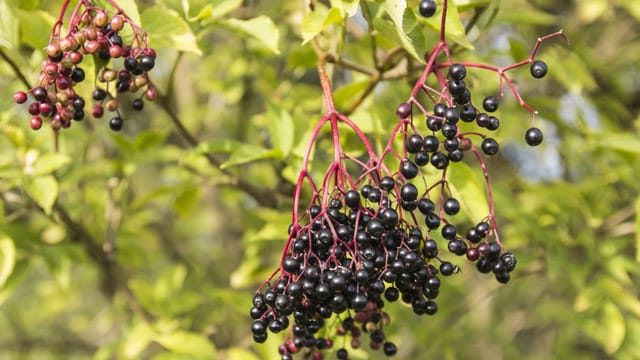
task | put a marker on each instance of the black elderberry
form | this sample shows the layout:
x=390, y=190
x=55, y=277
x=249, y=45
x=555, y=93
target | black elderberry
x=439, y=109
x=503, y=277
x=403, y=110
x=463, y=98
x=538, y=69
x=421, y=158
x=449, y=130
x=78, y=103
x=427, y=8
x=431, y=143
x=78, y=115
x=115, y=123
x=115, y=39
x=447, y=268
x=457, y=87
x=409, y=192
x=387, y=183
x=482, y=228
x=457, y=247
x=342, y=354
x=414, y=143
x=451, y=144
x=137, y=104
x=291, y=264
x=494, y=123
x=490, y=104
x=39, y=93
x=131, y=63
x=482, y=120
x=451, y=206
x=408, y=169
x=375, y=228
x=490, y=146
x=122, y=86
x=391, y=294
x=449, y=231
x=456, y=155
x=99, y=94
x=426, y=206
x=509, y=261
x=533, y=136
x=434, y=124
x=468, y=113
x=389, y=218
x=457, y=71
x=352, y=199
x=146, y=62
x=451, y=115
x=473, y=236
x=77, y=75
x=432, y=221
x=375, y=195
x=439, y=160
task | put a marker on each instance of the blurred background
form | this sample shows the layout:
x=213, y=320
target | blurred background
x=147, y=245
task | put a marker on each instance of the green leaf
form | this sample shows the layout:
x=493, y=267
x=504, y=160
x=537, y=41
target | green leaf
x=394, y=29
x=218, y=146
x=43, y=190
x=185, y=342
x=638, y=229
x=7, y=258
x=47, y=163
x=221, y=8
x=316, y=21
x=240, y=353
x=280, y=128
x=453, y=25
x=466, y=187
x=613, y=328
x=260, y=28
x=345, y=95
x=167, y=29
x=137, y=340
x=349, y=7
x=622, y=142
x=186, y=201
x=34, y=27
x=9, y=34
x=247, y=153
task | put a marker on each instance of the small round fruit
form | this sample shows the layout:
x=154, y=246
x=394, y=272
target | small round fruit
x=490, y=146
x=413, y=143
x=538, y=69
x=147, y=62
x=490, y=104
x=20, y=97
x=533, y=136
x=137, y=104
x=36, y=122
x=404, y=110
x=451, y=206
x=40, y=93
x=116, y=123
x=427, y=8
x=457, y=71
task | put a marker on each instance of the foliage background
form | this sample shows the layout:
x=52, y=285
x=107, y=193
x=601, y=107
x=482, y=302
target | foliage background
x=197, y=226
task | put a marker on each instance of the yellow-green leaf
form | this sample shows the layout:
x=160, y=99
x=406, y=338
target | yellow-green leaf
x=185, y=342
x=43, y=190
x=614, y=328
x=47, y=163
x=260, y=28
x=469, y=190
x=7, y=258
x=315, y=22
x=167, y=29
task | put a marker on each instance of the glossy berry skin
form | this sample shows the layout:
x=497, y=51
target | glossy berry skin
x=40, y=93
x=451, y=206
x=403, y=110
x=490, y=104
x=20, y=97
x=538, y=69
x=533, y=136
x=490, y=146
x=35, y=123
x=427, y=8
x=468, y=113
x=457, y=71
x=116, y=123
x=146, y=62
x=137, y=104
x=414, y=143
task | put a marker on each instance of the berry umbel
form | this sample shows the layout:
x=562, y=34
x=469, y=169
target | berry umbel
x=95, y=32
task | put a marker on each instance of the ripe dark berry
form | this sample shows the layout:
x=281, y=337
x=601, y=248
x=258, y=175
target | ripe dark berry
x=427, y=8
x=391, y=294
x=456, y=155
x=414, y=143
x=451, y=144
x=40, y=93
x=403, y=110
x=408, y=169
x=137, y=104
x=451, y=115
x=494, y=123
x=457, y=87
x=78, y=103
x=352, y=199
x=146, y=62
x=426, y=206
x=439, y=160
x=439, y=109
x=457, y=71
x=449, y=130
x=116, y=123
x=432, y=221
x=434, y=124
x=468, y=113
x=446, y=268
x=490, y=104
x=409, y=192
x=130, y=63
x=533, y=136
x=431, y=143
x=99, y=94
x=451, y=206
x=482, y=228
x=422, y=158
x=449, y=231
x=20, y=97
x=389, y=348
x=490, y=146
x=538, y=69
x=482, y=120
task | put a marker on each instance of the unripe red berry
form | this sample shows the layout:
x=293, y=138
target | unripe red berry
x=53, y=50
x=97, y=111
x=115, y=51
x=100, y=19
x=117, y=23
x=20, y=97
x=151, y=93
x=91, y=47
x=35, y=123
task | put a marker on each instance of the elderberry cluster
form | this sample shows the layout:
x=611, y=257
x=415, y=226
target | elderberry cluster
x=93, y=32
x=388, y=235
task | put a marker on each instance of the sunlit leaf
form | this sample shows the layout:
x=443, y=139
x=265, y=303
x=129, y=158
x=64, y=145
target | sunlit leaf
x=43, y=190
x=248, y=153
x=7, y=258
x=315, y=22
x=260, y=28
x=280, y=128
x=167, y=29
x=187, y=343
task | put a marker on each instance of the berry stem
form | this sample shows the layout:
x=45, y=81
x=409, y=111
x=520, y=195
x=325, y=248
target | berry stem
x=492, y=211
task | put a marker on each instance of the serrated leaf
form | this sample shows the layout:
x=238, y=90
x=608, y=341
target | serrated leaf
x=43, y=190
x=47, y=163
x=316, y=21
x=167, y=29
x=260, y=28
x=185, y=342
x=280, y=128
x=247, y=153
x=7, y=258
x=466, y=187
